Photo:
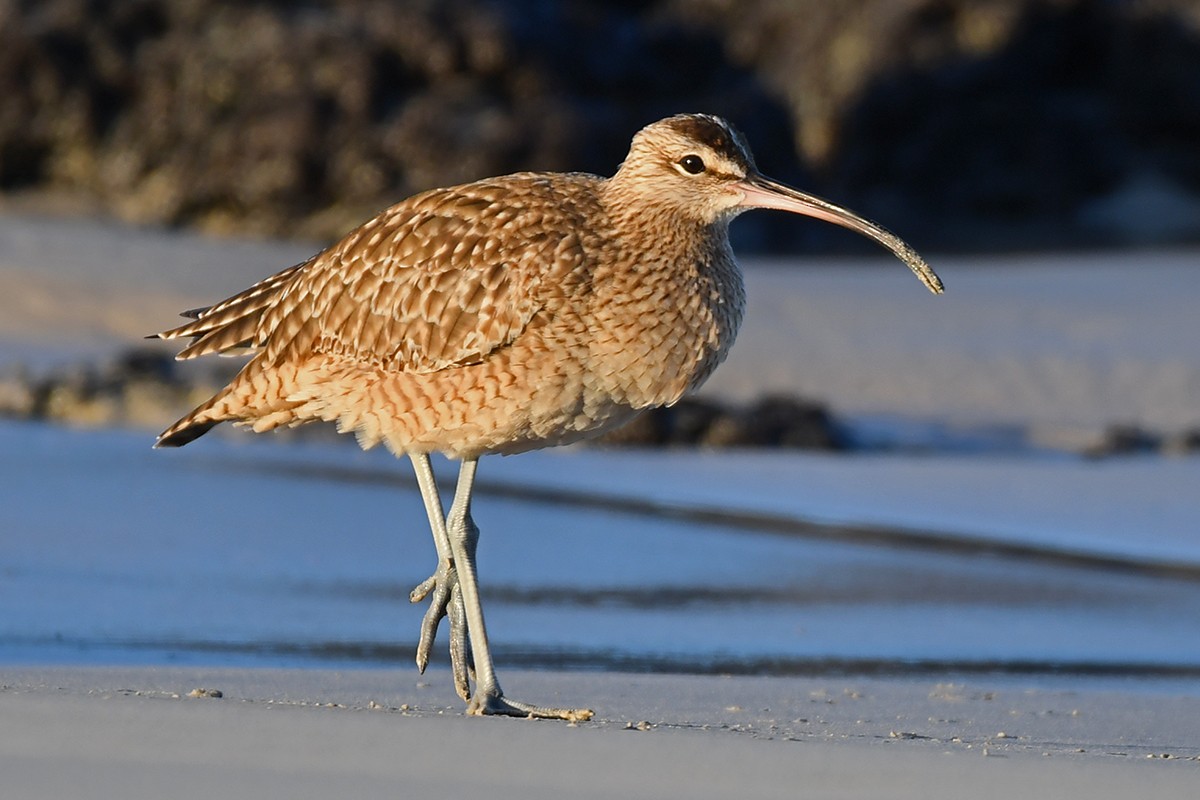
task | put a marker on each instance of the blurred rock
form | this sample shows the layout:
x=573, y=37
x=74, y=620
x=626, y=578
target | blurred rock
x=1184, y=443
x=771, y=422
x=276, y=118
x=776, y=422
x=139, y=388
x=962, y=123
x=17, y=396
x=1124, y=439
x=683, y=423
x=78, y=397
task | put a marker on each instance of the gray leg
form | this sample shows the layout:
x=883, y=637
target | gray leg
x=463, y=536
x=447, y=598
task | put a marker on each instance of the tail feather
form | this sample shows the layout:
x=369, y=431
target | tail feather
x=198, y=422
x=228, y=335
x=264, y=289
x=257, y=395
x=176, y=436
x=232, y=322
x=229, y=404
x=227, y=327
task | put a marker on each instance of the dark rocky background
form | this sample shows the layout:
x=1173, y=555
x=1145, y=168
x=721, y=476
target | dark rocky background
x=964, y=124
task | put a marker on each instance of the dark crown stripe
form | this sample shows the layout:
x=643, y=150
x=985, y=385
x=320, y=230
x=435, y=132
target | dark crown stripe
x=714, y=133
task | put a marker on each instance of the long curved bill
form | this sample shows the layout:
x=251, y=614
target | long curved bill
x=762, y=192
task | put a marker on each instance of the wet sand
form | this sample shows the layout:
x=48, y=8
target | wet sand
x=1089, y=342
x=141, y=732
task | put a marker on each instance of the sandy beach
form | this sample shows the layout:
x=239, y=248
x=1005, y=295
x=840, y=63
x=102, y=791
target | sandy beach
x=977, y=612
x=140, y=732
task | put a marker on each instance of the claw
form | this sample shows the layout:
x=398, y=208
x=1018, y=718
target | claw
x=500, y=705
x=429, y=627
x=460, y=648
x=422, y=589
x=446, y=602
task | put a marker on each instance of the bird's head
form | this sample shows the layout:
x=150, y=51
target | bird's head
x=690, y=163
x=701, y=168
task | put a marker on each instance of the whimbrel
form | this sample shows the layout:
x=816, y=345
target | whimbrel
x=502, y=316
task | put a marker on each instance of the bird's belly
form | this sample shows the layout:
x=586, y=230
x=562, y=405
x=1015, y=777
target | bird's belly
x=537, y=392
x=564, y=379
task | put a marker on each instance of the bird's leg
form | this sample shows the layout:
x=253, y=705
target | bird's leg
x=463, y=537
x=443, y=583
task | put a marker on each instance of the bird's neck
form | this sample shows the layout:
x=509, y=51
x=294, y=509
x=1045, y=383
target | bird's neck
x=676, y=276
x=658, y=228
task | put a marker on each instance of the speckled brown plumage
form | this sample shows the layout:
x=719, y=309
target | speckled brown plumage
x=501, y=316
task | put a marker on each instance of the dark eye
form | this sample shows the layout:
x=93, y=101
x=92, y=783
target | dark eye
x=692, y=164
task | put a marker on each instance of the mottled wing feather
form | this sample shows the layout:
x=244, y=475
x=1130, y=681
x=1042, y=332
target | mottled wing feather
x=439, y=280
x=254, y=296
x=231, y=323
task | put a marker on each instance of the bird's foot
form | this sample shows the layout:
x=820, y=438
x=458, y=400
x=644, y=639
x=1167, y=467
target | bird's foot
x=447, y=602
x=500, y=705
